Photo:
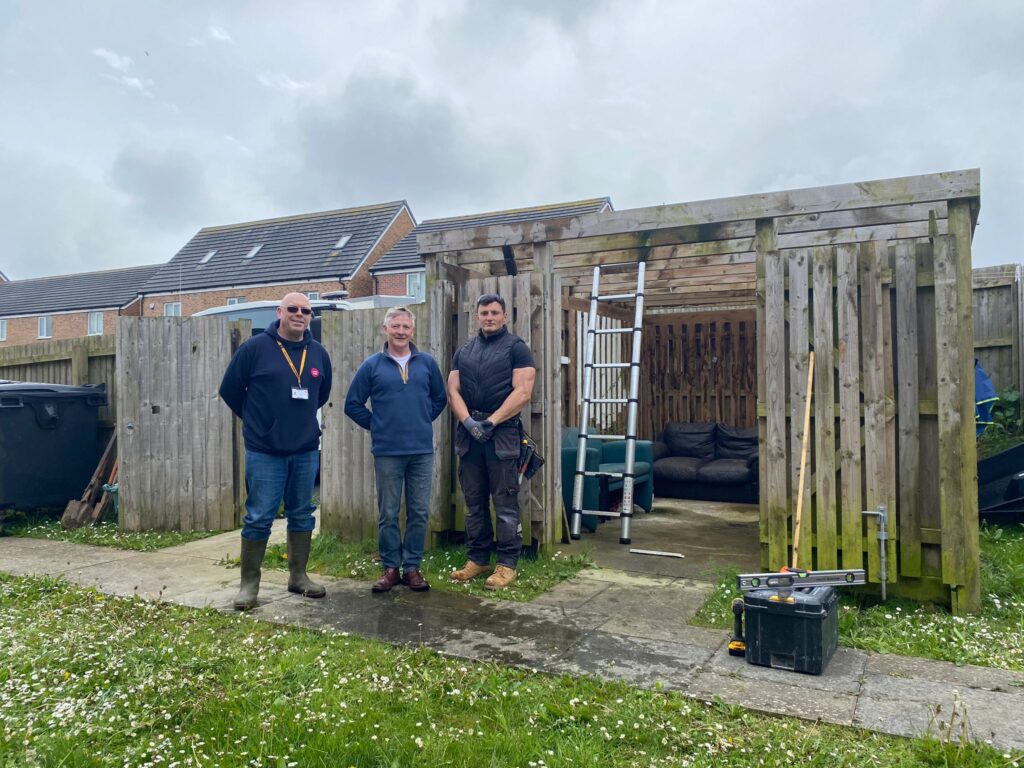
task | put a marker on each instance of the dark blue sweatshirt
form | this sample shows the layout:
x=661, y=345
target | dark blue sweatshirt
x=257, y=387
x=404, y=406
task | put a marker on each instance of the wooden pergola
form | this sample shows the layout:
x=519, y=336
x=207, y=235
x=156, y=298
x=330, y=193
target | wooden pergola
x=873, y=276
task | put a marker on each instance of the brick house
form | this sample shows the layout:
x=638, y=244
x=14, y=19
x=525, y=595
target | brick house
x=313, y=253
x=400, y=271
x=68, y=306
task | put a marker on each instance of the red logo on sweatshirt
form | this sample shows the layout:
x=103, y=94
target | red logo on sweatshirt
x=314, y=372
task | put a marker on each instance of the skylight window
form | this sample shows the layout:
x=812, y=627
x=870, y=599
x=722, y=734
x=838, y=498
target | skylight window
x=341, y=242
x=209, y=255
x=253, y=251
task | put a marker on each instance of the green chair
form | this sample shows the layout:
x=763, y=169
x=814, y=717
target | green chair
x=605, y=456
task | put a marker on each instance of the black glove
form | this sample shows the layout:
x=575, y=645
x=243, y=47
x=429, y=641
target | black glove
x=481, y=431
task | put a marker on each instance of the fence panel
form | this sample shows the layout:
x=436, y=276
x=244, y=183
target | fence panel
x=176, y=440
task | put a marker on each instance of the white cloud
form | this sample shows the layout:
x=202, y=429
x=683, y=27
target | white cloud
x=116, y=61
x=219, y=34
x=134, y=84
x=283, y=82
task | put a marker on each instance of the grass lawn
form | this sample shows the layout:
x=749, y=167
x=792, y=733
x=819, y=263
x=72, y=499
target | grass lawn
x=993, y=638
x=106, y=534
x=89, y=680
x=333, y=557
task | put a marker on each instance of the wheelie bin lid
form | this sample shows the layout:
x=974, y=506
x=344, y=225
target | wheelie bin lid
x=28, y=391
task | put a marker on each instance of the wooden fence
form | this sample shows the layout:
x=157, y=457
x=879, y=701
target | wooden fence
x=890, y=327
x=998, y=303
x=180, y=450
x=85, y=360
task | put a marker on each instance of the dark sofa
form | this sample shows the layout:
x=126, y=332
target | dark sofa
x=711, y=462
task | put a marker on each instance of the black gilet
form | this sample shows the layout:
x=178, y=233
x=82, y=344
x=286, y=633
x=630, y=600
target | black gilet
x=485, y=370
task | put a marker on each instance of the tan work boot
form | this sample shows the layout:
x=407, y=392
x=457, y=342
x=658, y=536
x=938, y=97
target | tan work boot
x=501, y=578
x=469, y=571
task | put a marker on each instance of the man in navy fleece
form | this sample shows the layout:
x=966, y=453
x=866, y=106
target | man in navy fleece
x=275, y=383
x=406, y=392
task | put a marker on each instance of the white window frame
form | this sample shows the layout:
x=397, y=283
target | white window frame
x=232, y=300
x=313, y=295
x=3, y=329
x=94, y=328
x=416, y=285
x=172, y=309
x=45, y=323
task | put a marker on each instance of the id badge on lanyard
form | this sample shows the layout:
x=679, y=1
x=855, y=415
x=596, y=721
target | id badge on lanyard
x=299, y=392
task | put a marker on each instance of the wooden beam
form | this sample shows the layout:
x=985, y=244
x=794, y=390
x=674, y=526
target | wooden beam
x=911, y=190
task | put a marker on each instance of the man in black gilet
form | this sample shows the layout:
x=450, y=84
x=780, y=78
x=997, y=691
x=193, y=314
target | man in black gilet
x=491, y=380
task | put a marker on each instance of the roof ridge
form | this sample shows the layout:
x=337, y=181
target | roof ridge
x=81, y=274
x=527, y=209
x=301, y=216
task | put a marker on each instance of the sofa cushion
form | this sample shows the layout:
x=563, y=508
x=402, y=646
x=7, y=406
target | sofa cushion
x=689, y=439
x=680, y=469
x=736, y=442
x=724, y=472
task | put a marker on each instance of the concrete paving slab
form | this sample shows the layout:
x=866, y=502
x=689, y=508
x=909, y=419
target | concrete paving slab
x=775, y=697
x=912, y=707
x=962, y=676
x=842, y=674
x=154, y=575
x=637, y=661
x=27, y=557
x=655, y=611
x=572, y=595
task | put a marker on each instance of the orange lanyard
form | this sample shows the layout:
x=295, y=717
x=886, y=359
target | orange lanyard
x=302, y=364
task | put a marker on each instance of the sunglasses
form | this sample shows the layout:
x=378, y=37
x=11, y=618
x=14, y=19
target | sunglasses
x=292, y=309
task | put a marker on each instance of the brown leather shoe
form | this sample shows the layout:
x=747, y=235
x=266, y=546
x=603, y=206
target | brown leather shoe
x=414, y=580
x=390, y=578
x=469, y=571
x=501, y=578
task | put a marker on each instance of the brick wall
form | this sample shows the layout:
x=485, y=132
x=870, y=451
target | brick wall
x=363, y=283
x=25, y=330
x=392, y=285
x=153, y=306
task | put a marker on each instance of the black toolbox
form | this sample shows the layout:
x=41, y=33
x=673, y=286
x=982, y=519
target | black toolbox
x=794, y=629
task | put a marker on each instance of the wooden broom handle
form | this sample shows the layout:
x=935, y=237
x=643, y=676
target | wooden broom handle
x=803, y=463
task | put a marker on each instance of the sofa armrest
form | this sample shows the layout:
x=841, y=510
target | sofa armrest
x=754, y=465
x=615, y=452
x=569, y=457
x=659, y=451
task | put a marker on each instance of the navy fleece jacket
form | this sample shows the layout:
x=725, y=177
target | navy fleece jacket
x=404, y=406
x=257, y=387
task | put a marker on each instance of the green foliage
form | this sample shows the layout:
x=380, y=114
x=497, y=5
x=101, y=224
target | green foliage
x=106, y=534
x=993, y=638
x=1007, y=428
x=90, y=681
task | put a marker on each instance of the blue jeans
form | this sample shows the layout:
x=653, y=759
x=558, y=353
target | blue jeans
x=268, y=480
x=415, y=473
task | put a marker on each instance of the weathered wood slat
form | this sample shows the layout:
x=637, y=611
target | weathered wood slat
x=824, y=410
x=876, y=455
x=947, y=334
x=848, y=354
x=775, y=398
x=908, y=388
x=799, y=348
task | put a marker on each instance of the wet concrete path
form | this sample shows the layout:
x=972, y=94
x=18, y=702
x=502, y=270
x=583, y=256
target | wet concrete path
x=609, y=623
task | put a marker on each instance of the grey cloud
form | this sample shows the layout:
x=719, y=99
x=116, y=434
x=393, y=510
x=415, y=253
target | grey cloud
x=382, y=137
x=166, y=187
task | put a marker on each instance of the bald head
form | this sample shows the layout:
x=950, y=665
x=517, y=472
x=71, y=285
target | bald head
x=294, y=314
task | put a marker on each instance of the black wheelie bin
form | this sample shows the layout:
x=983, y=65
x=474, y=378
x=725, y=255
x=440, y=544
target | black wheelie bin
x=49, y=442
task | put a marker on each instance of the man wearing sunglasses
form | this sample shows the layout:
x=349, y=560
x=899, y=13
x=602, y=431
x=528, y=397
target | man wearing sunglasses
x=275, y=384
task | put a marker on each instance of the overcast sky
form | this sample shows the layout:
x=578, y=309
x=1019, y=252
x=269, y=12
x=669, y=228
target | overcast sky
x=127, y=126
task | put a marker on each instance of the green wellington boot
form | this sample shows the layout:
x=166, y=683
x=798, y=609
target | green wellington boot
x=298, y=556
x=252, y=559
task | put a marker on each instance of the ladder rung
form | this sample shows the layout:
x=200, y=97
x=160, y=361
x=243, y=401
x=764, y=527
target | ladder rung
x=619, y=400
x=600, y=513
x=613, y=330
x=611, y=365
x=591, y=473
x=615, y=296
x=605, y=437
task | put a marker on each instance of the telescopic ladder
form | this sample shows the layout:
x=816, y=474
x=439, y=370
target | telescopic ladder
x=625, y=512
